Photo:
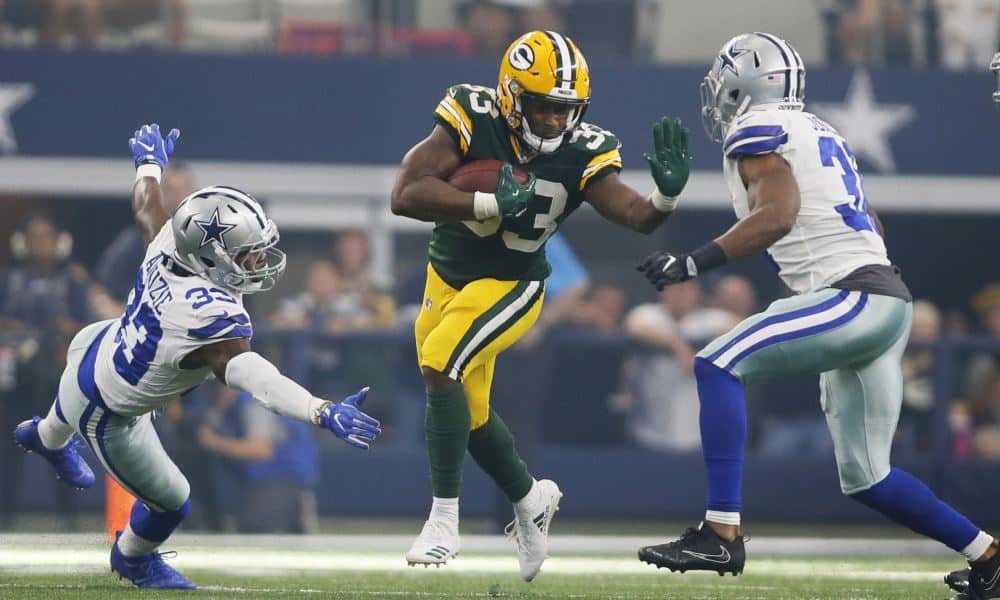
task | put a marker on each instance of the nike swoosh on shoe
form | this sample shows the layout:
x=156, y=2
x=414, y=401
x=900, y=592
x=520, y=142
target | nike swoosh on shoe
x=721, y=558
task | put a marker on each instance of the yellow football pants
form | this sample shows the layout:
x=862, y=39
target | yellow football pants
x=461, y=332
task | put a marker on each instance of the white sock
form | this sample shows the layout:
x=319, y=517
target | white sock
x=131, y=545
x=528, y=506
x=978, y=546
x=445, y=509
x=53, y=432
x=723, y=518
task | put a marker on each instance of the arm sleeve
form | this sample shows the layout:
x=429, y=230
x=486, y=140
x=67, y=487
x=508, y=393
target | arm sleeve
x=252, y=373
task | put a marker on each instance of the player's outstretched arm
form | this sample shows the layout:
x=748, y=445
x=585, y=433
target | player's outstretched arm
x=669, y=165
x=773, y=198
x=151, y=152
x=239, y=367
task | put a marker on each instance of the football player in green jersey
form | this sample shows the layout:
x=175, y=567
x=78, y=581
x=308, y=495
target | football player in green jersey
x=485, y=280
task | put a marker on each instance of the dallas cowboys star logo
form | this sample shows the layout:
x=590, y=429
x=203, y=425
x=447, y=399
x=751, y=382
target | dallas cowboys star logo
x=12, y=96
x=213, y=229
x=865, y=123
x=729, y=58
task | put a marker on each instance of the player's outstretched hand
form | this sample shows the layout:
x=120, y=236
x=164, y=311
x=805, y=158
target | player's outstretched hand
x=513, y=197
x=347, y=422
x=149, y=147
x=665, y=268
x=670, y=162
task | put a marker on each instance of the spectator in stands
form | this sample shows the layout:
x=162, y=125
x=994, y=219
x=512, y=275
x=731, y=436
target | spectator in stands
x=869, y=32
x=663, y=410
x=492, y=24
x=353, y=260
x=735, y=295
x=968, y=32
x=117, y=265
x=326, y=304
x=276, y=457
x=918, y=377
x=565, y=290
x=982, y=379
x=43, y=303
x=86, y=21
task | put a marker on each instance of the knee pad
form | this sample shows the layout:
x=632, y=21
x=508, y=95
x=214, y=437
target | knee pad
x=156, y=526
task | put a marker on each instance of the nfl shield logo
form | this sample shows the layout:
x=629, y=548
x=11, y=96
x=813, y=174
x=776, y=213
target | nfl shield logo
x=427, y=304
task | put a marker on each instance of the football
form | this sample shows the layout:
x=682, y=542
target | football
x=483, y=176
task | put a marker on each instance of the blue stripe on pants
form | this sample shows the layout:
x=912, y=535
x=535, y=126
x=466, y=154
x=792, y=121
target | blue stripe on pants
x=802, y=312
x=793, y=335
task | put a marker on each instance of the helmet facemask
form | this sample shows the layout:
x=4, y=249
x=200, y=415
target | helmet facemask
x=717, y=112
x=538, y=143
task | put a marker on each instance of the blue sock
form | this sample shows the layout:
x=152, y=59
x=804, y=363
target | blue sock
x=723, y=434
x=907, y=501
x=156, y=526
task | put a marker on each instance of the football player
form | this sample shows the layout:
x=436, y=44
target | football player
x=797, y=194
x=184, y=322
x=485, y=280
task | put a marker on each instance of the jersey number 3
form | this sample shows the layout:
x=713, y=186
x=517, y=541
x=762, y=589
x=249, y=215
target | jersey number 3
x=529, y=231
x=137, y=339
x=855, y=212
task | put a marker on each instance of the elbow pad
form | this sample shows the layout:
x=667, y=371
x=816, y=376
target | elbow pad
x=250, y=372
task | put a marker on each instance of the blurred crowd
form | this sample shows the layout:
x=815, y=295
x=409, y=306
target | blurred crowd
x=331, y=324
x=956, y=34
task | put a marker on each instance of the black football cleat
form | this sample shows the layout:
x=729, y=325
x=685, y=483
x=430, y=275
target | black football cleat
x=698, y=549
x=984, y=579
x=958, y=580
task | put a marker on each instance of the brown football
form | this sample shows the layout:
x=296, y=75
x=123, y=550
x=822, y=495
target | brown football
x=482, y=176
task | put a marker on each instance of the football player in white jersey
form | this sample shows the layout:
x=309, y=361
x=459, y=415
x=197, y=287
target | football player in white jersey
x=184, y=322
x=798, y=196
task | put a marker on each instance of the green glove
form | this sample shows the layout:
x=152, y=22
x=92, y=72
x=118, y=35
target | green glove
x=670, y=164
x=513, y=197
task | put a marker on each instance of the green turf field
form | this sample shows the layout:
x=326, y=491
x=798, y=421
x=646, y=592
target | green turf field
x=75, y=566
x=913, y=579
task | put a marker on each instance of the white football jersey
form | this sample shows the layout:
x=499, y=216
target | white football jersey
x=169, y=315
x=833, y=234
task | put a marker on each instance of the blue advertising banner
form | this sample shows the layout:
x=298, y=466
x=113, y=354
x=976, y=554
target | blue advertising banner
x=370, y=111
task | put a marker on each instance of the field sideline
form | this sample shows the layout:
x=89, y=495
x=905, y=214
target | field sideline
x=371, y=566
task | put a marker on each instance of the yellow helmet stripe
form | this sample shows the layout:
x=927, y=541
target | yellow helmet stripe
x=453, y=113
x=611, y=158
x=565, y=65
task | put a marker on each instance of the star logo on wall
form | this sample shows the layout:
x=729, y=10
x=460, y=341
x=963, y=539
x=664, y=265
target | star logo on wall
x=213, y=229
x=866, y=124
x=12, y=96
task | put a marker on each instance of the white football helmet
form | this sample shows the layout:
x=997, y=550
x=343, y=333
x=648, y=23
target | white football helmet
x=223, y=235
x=751, y=69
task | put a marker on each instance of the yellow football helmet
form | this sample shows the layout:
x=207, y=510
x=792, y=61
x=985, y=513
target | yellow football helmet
x=548, y=66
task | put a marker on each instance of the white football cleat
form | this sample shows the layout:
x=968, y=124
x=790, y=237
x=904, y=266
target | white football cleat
x=531, y=532
x=437, y=542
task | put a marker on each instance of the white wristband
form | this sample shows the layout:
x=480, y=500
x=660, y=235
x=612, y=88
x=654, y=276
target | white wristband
x=148, y=170
x=485, y=206
x=662, y=203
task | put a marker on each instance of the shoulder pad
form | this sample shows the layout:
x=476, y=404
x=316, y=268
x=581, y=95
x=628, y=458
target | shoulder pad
x=461, y=107
x=600, y=148
x=218, y=326
x=757, y=132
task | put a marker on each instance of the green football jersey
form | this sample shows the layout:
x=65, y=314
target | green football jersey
x=509, y=248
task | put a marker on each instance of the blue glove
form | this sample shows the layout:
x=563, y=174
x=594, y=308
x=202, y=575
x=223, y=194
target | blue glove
x=149, y=147
x=350, y=424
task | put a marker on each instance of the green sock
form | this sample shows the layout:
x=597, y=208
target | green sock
x=446, y=424
x=492, y=447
